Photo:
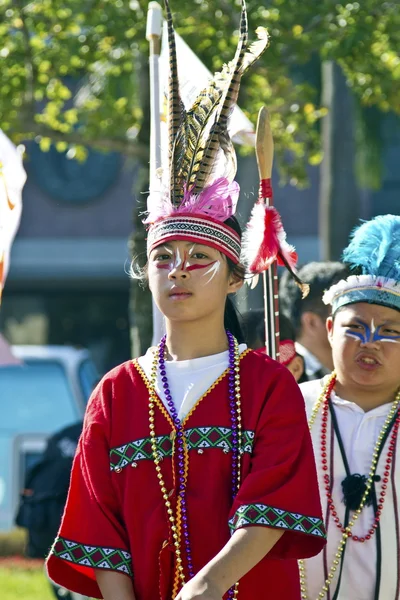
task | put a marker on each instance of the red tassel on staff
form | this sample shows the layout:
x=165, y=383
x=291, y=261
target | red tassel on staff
x=265, y=240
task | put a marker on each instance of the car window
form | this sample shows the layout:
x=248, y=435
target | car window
x=88, y=377
x=36, y=397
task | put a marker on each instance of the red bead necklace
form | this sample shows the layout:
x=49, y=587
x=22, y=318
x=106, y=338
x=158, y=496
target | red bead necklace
x=327, y=479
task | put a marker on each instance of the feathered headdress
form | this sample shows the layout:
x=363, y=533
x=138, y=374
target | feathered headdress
x=198, y=192
x=374, y=250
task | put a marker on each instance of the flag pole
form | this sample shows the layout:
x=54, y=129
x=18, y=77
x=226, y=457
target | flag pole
x=153, y=35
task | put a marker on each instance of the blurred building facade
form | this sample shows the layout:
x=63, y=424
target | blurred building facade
x=68, y=281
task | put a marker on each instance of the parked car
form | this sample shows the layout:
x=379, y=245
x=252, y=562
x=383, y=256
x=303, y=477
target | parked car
x=46, y=392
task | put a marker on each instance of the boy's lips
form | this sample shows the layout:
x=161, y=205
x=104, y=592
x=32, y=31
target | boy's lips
x=368, y=362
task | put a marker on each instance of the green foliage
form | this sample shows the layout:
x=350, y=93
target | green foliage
x=46, y=45
x=26, y=581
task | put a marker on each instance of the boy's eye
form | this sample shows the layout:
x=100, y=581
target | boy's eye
x=199, y=255
x=391, y=331
x=355, y=326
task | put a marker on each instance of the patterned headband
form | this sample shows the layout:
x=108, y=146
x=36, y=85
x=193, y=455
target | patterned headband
x=374, y=250
x=199, y=229
x=364, y=288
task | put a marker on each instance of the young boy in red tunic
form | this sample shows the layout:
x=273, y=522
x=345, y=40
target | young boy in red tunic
x=195, y=469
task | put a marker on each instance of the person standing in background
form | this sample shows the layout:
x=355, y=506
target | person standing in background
x=254, y=332
x=308, y=315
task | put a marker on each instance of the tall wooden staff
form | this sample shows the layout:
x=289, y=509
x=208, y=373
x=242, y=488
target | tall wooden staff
x=153, y=35
x=265, y=155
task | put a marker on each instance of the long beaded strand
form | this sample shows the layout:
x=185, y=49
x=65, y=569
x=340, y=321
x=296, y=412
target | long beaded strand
x=236, y=420
x=347, y=532
x=180, y=442
x=235, y=413
x=157, y=460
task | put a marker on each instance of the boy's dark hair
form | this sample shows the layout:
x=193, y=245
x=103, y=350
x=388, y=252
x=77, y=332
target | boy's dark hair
x=321, y=276
x=254, y=327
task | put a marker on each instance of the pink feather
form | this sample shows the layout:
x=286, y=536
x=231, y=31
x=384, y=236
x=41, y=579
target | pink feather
x=217, y=201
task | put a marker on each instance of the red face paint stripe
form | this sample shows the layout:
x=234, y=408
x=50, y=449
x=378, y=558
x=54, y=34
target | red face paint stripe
x=196, y=266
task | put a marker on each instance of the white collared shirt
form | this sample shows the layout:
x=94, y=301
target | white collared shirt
x=312, y=365
x=359, y=432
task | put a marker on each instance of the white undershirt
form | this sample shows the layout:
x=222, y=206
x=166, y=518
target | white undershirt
x=188, y=380
x=359, y=431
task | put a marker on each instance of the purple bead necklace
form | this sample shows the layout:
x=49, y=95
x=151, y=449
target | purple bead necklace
x=236, y=421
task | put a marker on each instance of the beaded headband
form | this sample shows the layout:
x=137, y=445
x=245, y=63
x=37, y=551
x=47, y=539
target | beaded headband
x=197, y=229
x=364, y=288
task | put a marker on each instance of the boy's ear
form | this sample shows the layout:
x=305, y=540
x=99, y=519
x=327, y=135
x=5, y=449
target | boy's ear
x=329, y=329
x=296, y=367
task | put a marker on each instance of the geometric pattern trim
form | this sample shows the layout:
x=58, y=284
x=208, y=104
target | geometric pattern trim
x=261, y=514
x=93, y=556
x=197, y=228
x=197, y=438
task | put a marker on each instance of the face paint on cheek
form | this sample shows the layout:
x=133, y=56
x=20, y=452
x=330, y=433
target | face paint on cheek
x=394, y=339
x=357, y=335
x=196, y=267
x=213, y=270
x=370, y=334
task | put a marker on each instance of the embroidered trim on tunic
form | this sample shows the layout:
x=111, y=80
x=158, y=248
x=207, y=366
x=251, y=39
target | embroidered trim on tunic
x=262, y=514
x=96, y=557
x=197, y=438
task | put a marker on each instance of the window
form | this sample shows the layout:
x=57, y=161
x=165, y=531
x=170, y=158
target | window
x=88, y=378
x=36, y=397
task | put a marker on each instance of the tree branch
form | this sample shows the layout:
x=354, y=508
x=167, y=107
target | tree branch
x=109, y=144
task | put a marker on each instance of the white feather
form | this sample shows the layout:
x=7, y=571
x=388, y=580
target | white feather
x=358, y=282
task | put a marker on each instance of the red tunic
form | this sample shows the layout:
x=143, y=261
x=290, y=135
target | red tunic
x=115, y=516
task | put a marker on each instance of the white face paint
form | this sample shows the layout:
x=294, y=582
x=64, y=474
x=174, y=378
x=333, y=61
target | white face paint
x=373, y=328
x=178, y=259
x=212, y=271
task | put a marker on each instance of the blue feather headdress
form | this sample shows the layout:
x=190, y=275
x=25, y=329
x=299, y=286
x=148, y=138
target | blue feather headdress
x=374, y=250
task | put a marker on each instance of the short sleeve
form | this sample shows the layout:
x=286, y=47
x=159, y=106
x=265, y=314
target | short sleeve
x=281, y=488
x=92, y=534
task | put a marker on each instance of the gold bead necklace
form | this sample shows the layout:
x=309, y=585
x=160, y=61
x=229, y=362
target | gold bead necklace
x=156, y=456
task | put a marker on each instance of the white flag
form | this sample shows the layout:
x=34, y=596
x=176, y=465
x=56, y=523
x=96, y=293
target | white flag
x=193, y=78
x=12, y=181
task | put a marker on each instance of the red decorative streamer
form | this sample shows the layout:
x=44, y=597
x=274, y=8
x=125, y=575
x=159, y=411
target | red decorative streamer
x=265, y=190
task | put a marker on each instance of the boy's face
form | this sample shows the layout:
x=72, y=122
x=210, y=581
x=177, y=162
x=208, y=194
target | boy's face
x=365, y=340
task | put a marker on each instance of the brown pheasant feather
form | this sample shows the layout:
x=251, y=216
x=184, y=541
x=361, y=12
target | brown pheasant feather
x=200, y=147
x=218, y=131
x=176, y=111
x=190, y=141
